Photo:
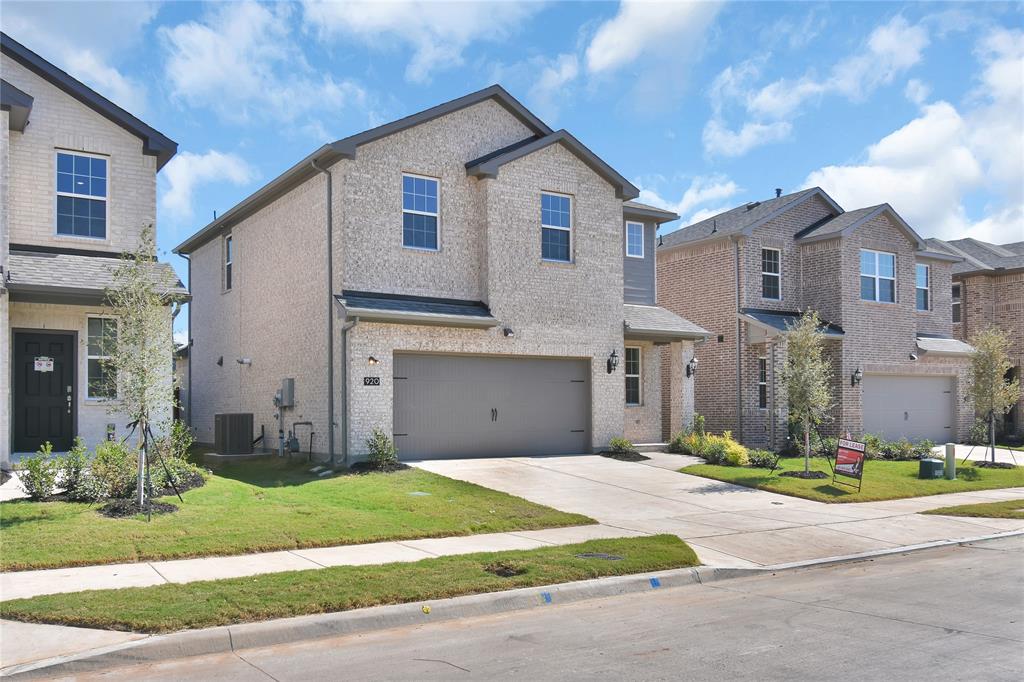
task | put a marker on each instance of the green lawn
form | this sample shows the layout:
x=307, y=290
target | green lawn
x=882, y=480
x=166, y=608
x=1007, y=509
x=267, y=505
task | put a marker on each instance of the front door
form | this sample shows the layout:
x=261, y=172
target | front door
x=44, y=390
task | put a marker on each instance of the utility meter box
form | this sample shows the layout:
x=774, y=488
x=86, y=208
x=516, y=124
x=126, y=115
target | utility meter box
x=930, y=468
x=287, y=393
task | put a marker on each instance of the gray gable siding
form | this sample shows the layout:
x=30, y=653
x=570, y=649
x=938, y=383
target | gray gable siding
x=638, y=274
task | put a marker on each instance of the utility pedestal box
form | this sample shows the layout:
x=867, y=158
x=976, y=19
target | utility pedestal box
x=930, y=468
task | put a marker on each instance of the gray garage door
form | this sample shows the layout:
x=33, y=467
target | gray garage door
x=474, y=406
x=909, y=407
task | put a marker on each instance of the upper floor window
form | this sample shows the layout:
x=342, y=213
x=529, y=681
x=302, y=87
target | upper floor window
x=419, y=212
x=101, y=339
x=555, y=227
x=635, y=240
x=81, y=195
x=922, y=284
x=771, y=274
x=632, y=376
x=762, y=383
x=229, y=261
x=956, y=303
x=877, y=276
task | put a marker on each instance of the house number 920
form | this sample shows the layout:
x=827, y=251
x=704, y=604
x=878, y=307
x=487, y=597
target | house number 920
x=371, y=381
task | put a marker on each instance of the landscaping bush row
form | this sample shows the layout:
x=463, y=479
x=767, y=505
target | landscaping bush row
x=111, y=470
x=714, y=449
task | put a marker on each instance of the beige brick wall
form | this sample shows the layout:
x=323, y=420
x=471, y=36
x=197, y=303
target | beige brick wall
x=938, y=319
x=677, y=389
x=59, y=121
x=6, y=406
x=643, y=422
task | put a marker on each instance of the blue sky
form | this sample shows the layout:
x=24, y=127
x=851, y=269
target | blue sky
x=702, y=105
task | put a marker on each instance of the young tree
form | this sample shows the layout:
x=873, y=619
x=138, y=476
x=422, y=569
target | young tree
x=992, y=394
x=139, y=345
x=806, y=377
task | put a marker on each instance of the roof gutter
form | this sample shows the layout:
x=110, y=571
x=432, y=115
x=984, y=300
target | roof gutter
x=739, y=345
x=434, y=319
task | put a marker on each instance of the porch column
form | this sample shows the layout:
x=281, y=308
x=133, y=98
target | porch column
x=680, y=386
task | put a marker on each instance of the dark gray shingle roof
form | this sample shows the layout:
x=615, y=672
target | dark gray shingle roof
x=649, y=320
x=659, y=215
x=413, y=304
x=87, y=276
x=838, y=223
x=980, y=256
x=782, y=320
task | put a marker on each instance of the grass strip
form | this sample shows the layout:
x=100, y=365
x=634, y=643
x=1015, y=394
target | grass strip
x=165, y=608
x=882, y=480
x=1007, y=509
x=265, y=506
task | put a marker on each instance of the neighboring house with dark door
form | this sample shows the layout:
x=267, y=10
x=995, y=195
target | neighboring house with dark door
x=883, y=296
x=988, y=290
x=77, y=185
x=466, y=279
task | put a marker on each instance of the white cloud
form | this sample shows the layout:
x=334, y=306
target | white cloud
x=549, y=88
x=721, y=141
x=642, y=26
x=187, y=170
x=437, y=32
x=241, y=61
x=701, y=190
x=929, y=168
x=917, y=91
x=83, y=38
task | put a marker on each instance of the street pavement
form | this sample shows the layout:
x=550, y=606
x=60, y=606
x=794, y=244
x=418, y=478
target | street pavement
x=950, y=613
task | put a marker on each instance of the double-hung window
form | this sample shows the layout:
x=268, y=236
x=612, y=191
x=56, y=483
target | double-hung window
x=762, y=383
x=102, y=337
x=81, y=195
x=877, y=276
x=633, y=395
x=556, y=227
x=229, y=261
x=419, y=212
x=922, y=275
x=635, y=240
x=771, y=274
x=956, y=303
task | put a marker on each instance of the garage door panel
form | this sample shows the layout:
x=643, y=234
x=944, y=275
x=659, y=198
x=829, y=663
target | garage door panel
x=912, y=407
x=479, y=406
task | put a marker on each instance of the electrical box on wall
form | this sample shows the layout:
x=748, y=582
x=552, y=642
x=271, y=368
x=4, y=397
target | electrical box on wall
x=287, y=392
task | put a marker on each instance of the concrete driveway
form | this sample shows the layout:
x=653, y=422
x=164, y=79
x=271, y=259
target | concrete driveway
x=727, y=525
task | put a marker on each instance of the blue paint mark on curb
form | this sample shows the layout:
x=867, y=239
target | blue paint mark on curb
x=655, y=582
x=546, y=596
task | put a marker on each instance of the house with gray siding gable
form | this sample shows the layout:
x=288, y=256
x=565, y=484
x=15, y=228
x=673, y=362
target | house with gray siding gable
x=465, y=279
x=883, y=295
x=77, y=187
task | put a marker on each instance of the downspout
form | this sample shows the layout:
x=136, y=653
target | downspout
x=771, y=405
x=188, y=345
x=739, y=344
x=344, y=388
x=330, y=312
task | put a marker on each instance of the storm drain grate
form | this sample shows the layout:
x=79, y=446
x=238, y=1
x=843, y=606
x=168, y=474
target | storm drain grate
x=599, y=555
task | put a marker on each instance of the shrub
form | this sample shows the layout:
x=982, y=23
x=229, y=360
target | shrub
x=734, y=454
x=761, y=459
x=872, y=446
x=39, y=473
x=978, y=434
x=675, y=444
x=114, y=471
x=698, y=424
x=829, y=446
x=382, y=451
x=620, y=445
x=715, y=448
x=923, y=448
x=74, y=470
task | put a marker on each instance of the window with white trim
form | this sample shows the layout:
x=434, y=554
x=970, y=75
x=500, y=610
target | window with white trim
x=555, y=227
x=762, y=383
x=956, y=303
x=771, y=274
x=922, y=286
x=419, y=212
x=81, y=195
x=635, y=240
x=229, y=262
x=632, y=367
x=101, y=339
x=877, y=276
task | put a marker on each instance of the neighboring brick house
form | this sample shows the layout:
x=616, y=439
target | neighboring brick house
x=77, y=186
x=466, y=279
x=988, y=290
x=884, y=298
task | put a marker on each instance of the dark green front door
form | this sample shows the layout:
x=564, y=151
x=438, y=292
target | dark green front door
x=44, y=390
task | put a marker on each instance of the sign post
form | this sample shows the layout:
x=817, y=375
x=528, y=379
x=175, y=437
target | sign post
x=849, y=462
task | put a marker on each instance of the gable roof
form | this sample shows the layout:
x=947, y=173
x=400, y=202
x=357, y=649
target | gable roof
x=634, y=209
x=845, y=223
x=979, y=256
x=18, y=103
x=347, y=147
x=743, y=219
x=488, y=166
x=154, y=143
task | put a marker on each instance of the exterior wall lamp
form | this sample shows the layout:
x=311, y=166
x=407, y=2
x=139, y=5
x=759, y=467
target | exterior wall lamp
x=691, y=367
x=372, y=360
x=508, y=332
x=613, y=362
x=856, y=377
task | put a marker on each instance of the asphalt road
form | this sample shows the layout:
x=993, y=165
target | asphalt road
x=943, y=614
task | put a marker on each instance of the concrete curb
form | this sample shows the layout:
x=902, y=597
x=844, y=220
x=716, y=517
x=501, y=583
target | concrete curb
x=226, y=639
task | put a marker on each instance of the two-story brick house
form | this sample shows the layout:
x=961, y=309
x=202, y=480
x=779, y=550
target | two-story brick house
x=465, y=278
x=883, y=296
x=77, y=186
x=988, y=290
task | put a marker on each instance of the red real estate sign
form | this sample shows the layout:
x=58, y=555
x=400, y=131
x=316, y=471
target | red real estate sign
x=850, y=459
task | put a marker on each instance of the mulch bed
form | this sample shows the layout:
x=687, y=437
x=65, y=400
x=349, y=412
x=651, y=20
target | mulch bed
x=120, y=509
x=807, y=474
x=368, y=468
x=624, y=456
x=993, y=465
